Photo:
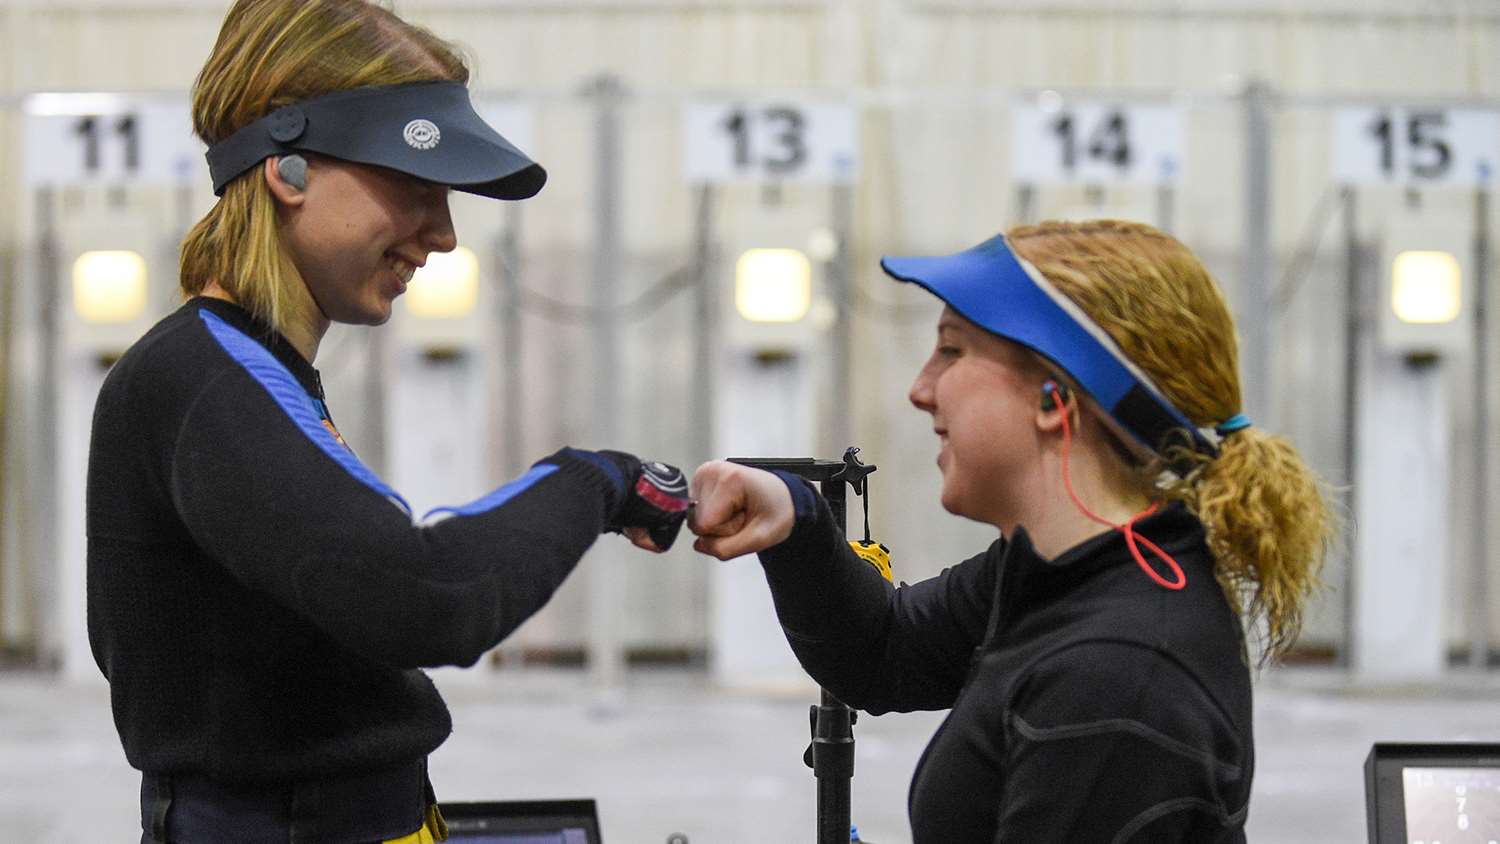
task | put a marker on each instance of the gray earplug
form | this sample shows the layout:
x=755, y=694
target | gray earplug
x=293, y=170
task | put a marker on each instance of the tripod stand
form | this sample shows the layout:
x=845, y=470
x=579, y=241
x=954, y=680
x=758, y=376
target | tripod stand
x=831, y=754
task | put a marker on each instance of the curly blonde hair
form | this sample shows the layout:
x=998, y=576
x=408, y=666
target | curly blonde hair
x=271, y=53
x=1267, y=515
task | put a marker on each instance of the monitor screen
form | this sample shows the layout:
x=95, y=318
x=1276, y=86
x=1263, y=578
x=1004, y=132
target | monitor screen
x=575, y=835
x=1433, y=793
x=1451, y=804
x=523, y=822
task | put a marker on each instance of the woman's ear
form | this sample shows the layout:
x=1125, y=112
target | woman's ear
x=1056, y=399
x=286, y=175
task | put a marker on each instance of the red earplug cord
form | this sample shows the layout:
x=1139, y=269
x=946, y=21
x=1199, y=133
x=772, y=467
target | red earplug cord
x=1131, y=537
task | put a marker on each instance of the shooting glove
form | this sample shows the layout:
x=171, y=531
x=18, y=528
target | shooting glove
x=656, y=498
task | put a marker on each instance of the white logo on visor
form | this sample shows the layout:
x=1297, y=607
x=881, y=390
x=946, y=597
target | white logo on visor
x=421, y=134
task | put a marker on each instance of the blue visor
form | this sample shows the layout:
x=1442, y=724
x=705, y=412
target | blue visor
x=991, y=288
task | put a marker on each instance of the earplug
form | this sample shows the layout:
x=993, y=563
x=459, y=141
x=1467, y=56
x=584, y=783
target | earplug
x=293, y=171
x=1051, y=388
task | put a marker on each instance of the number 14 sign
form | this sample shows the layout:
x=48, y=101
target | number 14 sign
x=1095, y=142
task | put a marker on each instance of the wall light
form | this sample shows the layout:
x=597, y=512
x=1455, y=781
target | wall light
x=109, y=286
x=447, y=287
x=1426, y=287
x=772, y=285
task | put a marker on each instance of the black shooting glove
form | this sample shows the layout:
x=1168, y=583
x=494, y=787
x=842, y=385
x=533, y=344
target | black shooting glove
x=656, y=498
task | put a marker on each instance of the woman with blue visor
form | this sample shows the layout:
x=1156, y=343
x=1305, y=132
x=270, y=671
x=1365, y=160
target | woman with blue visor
x=260, y=601
x=1085, y=395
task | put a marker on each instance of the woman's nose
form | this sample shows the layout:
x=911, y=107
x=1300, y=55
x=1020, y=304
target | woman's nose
x=438, y=235
x=920, y=394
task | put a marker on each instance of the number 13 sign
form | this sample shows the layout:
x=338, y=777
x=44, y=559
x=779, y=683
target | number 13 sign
x=771, y=141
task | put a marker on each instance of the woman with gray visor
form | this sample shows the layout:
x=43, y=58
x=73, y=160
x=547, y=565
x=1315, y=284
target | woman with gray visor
x=259, y=600
x=1093, y=657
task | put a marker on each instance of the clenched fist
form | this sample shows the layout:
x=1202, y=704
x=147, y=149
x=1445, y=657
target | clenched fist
x=739, y=510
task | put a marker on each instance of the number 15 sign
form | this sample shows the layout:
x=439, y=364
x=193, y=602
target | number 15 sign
x=771, y=141
x=1415, y=146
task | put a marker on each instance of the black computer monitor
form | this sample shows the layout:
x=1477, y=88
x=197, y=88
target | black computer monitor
x=523, y=822
x=1433, y=793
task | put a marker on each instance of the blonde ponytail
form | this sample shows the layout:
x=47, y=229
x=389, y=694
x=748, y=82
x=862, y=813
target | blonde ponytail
x=1269, y=525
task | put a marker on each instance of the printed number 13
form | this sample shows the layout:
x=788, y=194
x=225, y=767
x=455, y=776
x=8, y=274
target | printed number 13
x=789, y=132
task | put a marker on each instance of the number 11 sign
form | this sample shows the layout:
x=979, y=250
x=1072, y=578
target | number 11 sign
x=771, y=141
x=77, y=139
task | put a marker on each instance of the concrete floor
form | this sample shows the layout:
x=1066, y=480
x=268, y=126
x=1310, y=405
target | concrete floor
x=670, y=754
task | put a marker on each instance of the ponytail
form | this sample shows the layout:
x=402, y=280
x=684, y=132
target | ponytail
x=1269, y=525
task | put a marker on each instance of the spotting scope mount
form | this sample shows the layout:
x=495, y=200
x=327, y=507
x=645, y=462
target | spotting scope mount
x=831, y=753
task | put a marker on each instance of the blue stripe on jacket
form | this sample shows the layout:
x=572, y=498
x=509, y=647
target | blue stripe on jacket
x=290, y=396
x=303, y=410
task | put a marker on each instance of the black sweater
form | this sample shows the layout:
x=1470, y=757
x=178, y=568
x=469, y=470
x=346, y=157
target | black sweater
x=260, y=601
x=1088, y=703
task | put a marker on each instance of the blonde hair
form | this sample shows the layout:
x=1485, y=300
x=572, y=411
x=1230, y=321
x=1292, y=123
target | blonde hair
x=271, y=53
x=1267, y=515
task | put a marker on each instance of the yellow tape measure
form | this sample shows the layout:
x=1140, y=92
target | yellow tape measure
x=875, y=554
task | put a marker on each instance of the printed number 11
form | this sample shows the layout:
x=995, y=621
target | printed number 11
x=125, y=127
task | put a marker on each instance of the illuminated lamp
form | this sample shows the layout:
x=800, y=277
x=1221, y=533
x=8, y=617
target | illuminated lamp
x=773, y=285
x=447, y=287
x=109, y=286
x=1426, y=287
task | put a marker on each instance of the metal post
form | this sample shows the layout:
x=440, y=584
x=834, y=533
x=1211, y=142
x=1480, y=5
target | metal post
x=182, y=200
x=605, y=655
x=42, y=563
x=705, y=326
x=1479, y=641
x=1353, y=322
x=833, y=722
x=836, y=424
x=831, y=754
x=508, y=258
x=703, y=409
x=1025, y=203
x=1255, y=282
x=375, y=450
x=7, y=414
x=1166, y=207
x=832, y=750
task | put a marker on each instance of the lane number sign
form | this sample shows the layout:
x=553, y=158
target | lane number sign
x=1415, y=146
x=771, y=141
x=1096, y=142
x=76, y=139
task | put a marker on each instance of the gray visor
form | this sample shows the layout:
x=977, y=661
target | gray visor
x=427, y=129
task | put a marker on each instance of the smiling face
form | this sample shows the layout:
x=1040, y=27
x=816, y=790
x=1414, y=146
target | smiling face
x=983, y=394
x=357, y=233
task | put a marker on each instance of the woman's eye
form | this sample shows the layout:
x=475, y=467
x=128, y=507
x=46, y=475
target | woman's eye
x=948, y=351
